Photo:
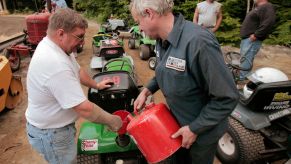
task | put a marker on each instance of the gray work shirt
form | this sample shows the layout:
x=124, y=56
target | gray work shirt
x=194, y=79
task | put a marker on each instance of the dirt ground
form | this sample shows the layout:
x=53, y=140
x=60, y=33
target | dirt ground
x=14, y=147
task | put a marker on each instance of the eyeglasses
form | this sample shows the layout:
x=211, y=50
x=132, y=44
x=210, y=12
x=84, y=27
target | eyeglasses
x=80, y=38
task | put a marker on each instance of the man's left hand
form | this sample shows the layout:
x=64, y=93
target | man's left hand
x=188, y=137
x=253, y=37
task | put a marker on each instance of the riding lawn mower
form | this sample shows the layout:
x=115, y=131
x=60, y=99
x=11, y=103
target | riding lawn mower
x=95, y=141
x=139, y=39
x=259, y=129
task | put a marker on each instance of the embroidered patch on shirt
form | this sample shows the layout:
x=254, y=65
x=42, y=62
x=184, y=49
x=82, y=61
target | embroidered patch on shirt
x=176, y=63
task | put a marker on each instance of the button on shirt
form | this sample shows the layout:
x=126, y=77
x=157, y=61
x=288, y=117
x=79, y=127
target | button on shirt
x=195, y=81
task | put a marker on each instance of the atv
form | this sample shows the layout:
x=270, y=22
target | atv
x=96, y=144
x=259, y=129
x=145, y=44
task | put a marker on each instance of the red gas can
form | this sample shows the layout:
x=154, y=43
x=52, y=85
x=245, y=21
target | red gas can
x=152, y=130
x=37, y=25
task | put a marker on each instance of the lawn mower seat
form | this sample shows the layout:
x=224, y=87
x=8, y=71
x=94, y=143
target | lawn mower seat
x=269, y=97
x=119, y=64
x=120, y=96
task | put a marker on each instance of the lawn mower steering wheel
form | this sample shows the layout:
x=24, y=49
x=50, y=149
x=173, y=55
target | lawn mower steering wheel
x=233, y=59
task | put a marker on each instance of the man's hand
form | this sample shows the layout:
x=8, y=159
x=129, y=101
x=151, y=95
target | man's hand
x=188, y=137
x=115, y=123
x=141, y=99
x=104, y=84
x=253, y=37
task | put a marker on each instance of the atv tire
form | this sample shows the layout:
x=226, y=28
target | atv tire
x=145, y=52
x=152, y=63
x=14, y=60
x=131, y=43
x=89, y=159
x=239, y=145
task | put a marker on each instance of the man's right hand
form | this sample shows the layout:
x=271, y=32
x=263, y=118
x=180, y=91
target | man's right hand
x=139, y=103
x=115, y=123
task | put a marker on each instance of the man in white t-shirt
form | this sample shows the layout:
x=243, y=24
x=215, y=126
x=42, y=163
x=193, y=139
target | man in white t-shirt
x=208, y=14
x=55, y=95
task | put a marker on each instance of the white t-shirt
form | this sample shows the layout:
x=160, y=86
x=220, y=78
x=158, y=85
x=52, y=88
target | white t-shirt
x=208, y=13
x=53, y=86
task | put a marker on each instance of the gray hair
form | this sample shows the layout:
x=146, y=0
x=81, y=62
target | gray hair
x=66, y=19
x=160, y=6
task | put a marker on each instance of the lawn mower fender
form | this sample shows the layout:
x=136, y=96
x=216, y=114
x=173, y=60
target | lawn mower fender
x=256, y=120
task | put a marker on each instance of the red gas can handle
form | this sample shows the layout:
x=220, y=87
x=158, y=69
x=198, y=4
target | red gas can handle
x=149, y=106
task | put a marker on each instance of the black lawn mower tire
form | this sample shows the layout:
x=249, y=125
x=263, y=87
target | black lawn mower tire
x=131, y=43
x=14, y=60
x=152, y=63
x=239, y=145
x=145, y=52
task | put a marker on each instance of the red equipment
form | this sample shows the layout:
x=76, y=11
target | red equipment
x=152, y=130
x=37, y=25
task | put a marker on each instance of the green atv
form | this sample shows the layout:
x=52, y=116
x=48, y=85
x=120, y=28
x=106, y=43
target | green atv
x=145, y=44
x=96, y=144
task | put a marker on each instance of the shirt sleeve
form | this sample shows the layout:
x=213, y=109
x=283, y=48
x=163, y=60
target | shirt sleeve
x=267, y=18
x=153, y=85
x=219, y=86
x=66, y=89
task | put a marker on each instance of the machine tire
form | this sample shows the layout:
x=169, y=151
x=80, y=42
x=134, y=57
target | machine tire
x=14, y=60
x=131, y=43
x=145, y=52
x=152, y=63
x=243, y=145
x=89, y=159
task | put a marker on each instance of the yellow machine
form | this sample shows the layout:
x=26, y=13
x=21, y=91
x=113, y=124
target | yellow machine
x=10, y=86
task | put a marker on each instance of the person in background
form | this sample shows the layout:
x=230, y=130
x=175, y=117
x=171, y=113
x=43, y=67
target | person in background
x=208, y=14
x=255, y=28
x=55, y=96
x=60, y=3
x=192, y=75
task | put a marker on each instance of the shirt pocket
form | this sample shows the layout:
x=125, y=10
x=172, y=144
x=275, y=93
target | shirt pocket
x=176, y=83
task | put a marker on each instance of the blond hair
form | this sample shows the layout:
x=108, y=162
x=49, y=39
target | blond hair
x=160, y=6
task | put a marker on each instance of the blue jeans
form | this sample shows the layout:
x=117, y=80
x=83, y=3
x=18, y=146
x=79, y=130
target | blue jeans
x=57, y=146
x=248, y=51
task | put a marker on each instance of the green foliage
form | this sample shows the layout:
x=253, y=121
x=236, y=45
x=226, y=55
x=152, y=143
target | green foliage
x=234, y=12
x=101, y=10
x=282, y=35
x=228, y=32
x=187, y=9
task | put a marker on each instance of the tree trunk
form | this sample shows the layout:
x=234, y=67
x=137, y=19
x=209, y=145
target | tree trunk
x=248, y=5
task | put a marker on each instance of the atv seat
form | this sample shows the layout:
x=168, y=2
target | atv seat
x=118, y=97
x=269, y=97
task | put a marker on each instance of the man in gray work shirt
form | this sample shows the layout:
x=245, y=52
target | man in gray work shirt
x=192, y=75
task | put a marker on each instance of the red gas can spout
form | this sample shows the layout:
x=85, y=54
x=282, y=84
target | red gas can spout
x=123, y=114
x=122, y=139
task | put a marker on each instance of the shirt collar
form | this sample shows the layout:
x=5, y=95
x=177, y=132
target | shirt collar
x=54, y=45
x=175, y=34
